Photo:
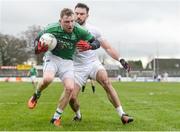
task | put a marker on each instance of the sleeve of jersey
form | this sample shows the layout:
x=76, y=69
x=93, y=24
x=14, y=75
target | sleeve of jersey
x=85, y=35
x=48, y=29
x=37, y=40
x=98, y=35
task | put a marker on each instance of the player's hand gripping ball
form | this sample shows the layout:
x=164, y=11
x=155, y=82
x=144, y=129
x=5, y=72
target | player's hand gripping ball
x=47, y=41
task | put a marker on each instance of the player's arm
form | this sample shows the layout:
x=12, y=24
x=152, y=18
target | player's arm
x=92, y=44
x=87, y=41
x=109, y=49
x=39, y=47
x=114, y=54
x=37, y=72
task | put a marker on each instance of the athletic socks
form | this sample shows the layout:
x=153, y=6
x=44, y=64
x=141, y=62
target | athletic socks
x=78, y=114
x=38, y=93
x=58, y=113
x=120, y=111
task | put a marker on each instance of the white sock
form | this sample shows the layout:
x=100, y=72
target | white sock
x=78, y=113
x=120, y=111
x=58, y=113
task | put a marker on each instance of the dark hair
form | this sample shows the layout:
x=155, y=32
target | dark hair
x=66, y=12
x=81, y=5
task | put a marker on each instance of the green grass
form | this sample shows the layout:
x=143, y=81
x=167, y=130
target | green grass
x=154, y=106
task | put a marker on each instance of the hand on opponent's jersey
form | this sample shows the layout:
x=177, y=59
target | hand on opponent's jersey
x=83, y=46
x=92, y=44
x=40, y=47
x=125, y=65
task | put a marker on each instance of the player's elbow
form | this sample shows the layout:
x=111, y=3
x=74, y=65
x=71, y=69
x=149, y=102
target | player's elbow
x=95, y=44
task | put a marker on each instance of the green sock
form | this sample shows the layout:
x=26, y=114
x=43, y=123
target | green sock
x=38, y=93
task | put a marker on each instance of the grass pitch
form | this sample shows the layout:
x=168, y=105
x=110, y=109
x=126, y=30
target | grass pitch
x=154, y=106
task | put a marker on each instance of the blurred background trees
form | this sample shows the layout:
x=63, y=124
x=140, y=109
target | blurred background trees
x=18, y=50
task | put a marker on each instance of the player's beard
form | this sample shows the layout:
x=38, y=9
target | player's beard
x=80, y=22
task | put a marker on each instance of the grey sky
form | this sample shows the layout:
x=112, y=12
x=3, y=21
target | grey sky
x=137, y=28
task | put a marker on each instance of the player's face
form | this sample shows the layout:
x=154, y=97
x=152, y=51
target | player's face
x=67, y=23
x=81, y=15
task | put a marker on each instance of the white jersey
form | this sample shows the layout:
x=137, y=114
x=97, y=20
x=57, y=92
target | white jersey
x=87, y=57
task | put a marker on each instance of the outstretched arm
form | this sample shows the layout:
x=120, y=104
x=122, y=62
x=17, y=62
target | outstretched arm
x=109, y=49
x=114, y=54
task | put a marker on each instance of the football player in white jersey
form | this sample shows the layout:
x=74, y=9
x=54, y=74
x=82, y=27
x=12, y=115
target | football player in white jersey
x=87, y=65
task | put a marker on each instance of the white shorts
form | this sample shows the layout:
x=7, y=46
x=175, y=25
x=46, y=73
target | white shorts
x=33, y=78
x=85, y=71
x=62, y=68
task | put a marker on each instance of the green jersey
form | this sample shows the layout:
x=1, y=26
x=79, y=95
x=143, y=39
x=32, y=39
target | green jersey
x=66, y=42
x=33, y=72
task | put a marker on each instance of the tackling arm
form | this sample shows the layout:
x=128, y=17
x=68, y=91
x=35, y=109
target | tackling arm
x=114, y=54
x=92, y=44
x=109, y=49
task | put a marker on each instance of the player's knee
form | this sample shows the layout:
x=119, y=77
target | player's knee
x=105, y=81
x=69, y=84
x=102, y=77
x=69, y=88
x=68, y=92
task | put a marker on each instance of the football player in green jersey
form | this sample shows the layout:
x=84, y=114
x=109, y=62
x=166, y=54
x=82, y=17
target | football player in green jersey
x=59, y=61
x=33, y=73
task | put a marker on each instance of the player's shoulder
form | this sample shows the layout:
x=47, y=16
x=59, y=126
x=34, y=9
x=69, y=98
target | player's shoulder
x=94, y=30
x=80, y=30
x=52, y=26
x=79, y=27
x=91, y=27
